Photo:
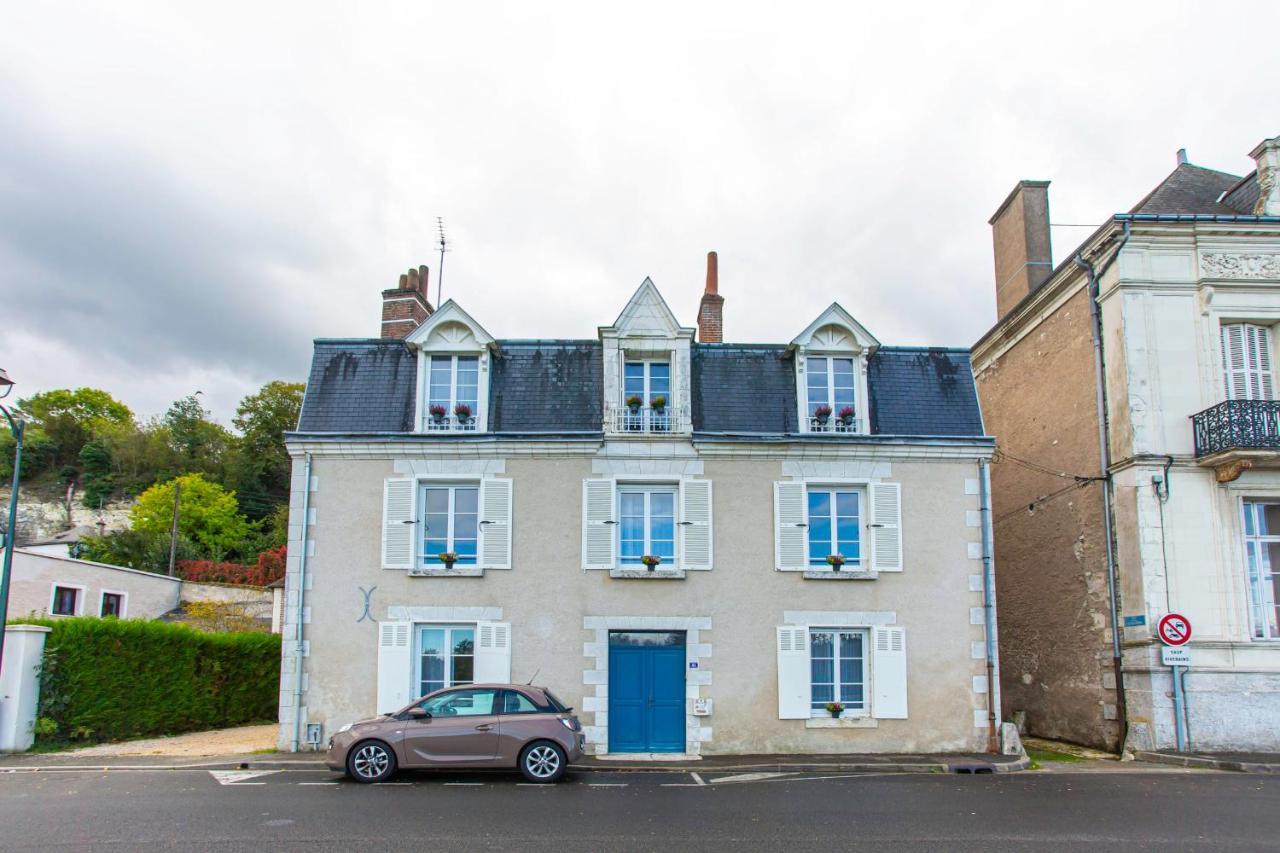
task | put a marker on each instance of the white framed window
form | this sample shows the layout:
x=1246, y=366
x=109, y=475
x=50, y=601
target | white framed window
x=453, y=392
x=450, y=522
x=838, y=670
x=646, y=395
x=647, y=523
x=66, y=599
x=1247, y=362
x=835, y=518
x=112, y=603
x=831, y=393
x=1262, y=565
x=446, y=656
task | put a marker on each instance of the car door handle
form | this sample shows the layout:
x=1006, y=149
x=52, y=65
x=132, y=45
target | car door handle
x=483, y=728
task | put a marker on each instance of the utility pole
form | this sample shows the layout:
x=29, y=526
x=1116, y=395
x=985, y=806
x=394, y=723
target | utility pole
x=173, y=530
x=16, y=427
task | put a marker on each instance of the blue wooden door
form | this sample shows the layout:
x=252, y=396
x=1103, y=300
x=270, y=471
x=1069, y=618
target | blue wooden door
x=646, y=691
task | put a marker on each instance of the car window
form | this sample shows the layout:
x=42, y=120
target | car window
x=556, y=704
x=518, y=703
x=461, y=703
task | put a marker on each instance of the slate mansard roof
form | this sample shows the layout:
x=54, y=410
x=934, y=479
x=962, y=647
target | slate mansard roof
x=540, y=388
x=1192, y=189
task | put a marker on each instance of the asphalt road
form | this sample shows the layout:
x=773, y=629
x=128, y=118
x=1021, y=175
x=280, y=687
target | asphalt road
x=308, y=810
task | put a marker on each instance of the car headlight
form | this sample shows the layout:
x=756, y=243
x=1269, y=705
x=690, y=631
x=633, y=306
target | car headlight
x=568, y=724
x=345, y=728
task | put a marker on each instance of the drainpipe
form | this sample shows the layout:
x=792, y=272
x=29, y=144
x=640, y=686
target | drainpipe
x=988, y=599
x=1104, y=451
x=302, y=588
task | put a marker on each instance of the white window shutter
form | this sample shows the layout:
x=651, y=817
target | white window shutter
x=395, y=671
x=399, y=527
x=495, y=523
x=793, y=672
x=791, y=526
x=889, y=673
x=599, y=524
x=493, y=653
x=1262, y=384
x=695, y=524
x=1235, y=379
x=886, y=527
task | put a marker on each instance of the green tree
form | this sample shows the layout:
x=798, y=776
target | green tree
x=67, y=420
x=97, y=477
x=201, y=444
x=261, y=467
x=208, y=516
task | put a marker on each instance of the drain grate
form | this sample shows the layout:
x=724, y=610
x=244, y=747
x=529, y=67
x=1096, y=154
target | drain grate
x=972, y=767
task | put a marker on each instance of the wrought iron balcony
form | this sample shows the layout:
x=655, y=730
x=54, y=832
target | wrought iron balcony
x=624, y=420
x=1237, y=425
x=449, y=423
x=834, y=424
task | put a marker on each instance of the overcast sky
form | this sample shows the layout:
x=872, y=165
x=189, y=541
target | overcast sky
x=187, y=197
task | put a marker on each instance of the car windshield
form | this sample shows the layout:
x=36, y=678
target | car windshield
x=460, y=703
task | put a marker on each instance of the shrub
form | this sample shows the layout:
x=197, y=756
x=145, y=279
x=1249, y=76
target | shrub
x=112, y=679
x=268, y=568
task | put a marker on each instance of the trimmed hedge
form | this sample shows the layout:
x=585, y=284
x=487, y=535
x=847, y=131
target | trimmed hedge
x=113, y=679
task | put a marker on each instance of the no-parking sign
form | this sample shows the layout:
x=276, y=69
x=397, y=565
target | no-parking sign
x=1174, y=629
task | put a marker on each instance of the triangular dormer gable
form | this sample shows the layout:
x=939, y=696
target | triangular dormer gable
x=450, y=329
x=835, y=330
x=647, y=315
x=649, y=344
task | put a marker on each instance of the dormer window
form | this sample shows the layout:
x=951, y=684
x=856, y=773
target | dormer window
x=453, y=399
x=646, y=396
x=832, y=393
x=454, y=352
x=831, y=374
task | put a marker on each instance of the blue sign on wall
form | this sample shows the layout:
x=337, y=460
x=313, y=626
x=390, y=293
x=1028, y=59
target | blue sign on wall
x=1135, y=621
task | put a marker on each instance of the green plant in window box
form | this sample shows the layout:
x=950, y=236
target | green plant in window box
x=652, y=561
x=462, y=412
x=835, y=561
x=634, y=402
x=835, y=709
x=658, y=404
x=448, y=558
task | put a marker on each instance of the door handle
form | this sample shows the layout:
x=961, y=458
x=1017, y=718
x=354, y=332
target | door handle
x=483, y=728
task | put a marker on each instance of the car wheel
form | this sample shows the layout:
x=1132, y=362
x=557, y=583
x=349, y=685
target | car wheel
x=543, y=761
x=371, y=761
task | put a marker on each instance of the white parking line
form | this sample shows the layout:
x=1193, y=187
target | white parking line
x=607, y=784
x=697, y=778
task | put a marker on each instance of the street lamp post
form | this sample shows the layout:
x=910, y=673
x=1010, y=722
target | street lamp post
x=10, y=533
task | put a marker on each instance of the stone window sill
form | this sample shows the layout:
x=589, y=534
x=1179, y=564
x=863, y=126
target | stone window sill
x=465, y=572
x=842, y=723
x=842, y=575
x=645, y=574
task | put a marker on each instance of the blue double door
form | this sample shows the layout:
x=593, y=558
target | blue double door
x=646, y=691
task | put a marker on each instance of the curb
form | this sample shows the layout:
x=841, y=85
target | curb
x=1202, y=763
x=959, y=766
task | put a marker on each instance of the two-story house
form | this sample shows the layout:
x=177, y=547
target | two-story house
x=699, y=545
x=1132, y=389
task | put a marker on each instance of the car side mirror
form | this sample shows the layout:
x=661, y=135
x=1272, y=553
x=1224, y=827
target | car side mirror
x=420, y=715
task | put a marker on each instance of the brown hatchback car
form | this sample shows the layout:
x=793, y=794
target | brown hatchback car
x=479, y=725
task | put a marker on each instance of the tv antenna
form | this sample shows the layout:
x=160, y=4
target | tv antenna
x=444, y=247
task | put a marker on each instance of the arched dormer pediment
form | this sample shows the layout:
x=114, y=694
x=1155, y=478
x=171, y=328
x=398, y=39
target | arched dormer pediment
x=453, y=371
x=450, y=329
x=831, y=373
x=835, y=330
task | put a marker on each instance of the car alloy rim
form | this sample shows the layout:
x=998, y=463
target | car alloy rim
x=542, y=761
x=371, y=761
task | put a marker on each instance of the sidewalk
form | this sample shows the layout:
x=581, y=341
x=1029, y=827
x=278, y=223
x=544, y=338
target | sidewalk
x=1241, y=762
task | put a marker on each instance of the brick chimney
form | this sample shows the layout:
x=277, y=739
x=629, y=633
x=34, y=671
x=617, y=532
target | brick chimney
x=405, y=307
x=1020, y=235
x=1268, y=156
x=711, y=308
